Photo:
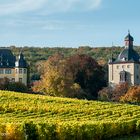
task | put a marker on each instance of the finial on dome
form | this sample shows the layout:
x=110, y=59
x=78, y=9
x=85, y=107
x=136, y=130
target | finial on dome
x=128, y=31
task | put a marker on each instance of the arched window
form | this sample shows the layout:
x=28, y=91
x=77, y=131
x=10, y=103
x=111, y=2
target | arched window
x=123, y=76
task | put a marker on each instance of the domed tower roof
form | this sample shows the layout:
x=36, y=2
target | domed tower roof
x=21, y=62
x=128, y=54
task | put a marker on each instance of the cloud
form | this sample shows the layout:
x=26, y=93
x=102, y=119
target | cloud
x=47, y=6
x=70, y=5
x=19, y=6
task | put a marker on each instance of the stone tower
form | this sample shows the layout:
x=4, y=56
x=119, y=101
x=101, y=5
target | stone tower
x=126, y=68
x=21, y=69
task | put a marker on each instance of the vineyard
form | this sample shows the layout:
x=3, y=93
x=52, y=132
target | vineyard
x=26, y=116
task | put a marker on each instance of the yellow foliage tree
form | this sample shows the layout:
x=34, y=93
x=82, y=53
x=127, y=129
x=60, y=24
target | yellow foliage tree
x=57, y=82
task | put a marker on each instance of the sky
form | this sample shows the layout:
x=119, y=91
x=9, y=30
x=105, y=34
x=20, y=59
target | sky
x=68, y=23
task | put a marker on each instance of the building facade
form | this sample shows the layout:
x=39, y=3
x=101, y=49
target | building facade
x=13, y=69
x=126, y=68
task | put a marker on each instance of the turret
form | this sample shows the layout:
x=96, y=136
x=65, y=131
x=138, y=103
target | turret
x=21, y=69
x=21, y=62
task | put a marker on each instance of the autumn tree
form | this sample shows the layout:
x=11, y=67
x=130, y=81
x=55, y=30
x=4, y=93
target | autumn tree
x=87, y=73
x=132, y=95
x=120, y=90
x=54, y=81
x=113, y=93
x=76, y=76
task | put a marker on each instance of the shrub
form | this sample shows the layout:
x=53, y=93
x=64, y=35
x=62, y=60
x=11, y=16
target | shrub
x=132, y=95
x=17, y=86
x=4, y=82
x=105, y=94
x=113, y=93
x=119, y=90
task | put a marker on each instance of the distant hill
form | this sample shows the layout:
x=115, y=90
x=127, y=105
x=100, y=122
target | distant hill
x=43, y=117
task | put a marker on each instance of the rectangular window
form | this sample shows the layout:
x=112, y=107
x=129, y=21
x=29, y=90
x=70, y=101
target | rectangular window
x=20, y=71
x=16, y=70
x=8, y=71
x=1, y=71
x=24, y=71
x=20, y=80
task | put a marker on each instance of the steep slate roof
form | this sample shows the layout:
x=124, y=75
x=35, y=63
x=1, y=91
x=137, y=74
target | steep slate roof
x=128, y=55
x=7, y=59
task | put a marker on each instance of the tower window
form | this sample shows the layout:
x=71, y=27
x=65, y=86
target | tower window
x=24, y=71
x=137, y=77
x=117, y=67
x=123, y=76
x=16, y=70
x=20, y=71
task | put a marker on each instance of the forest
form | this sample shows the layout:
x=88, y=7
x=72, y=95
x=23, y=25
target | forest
x=35, y=55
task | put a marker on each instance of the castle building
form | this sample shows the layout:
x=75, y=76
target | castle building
x=13, y=69
x=126, y=68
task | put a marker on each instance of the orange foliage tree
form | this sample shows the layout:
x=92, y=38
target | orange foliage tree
x=113, y=93
x=132, y=95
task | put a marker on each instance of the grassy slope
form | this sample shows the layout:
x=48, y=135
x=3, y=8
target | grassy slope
x=18, y=107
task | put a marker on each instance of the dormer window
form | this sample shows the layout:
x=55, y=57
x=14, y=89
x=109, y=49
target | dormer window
x=123, y=59
x=16, y=64
x=7, y=63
